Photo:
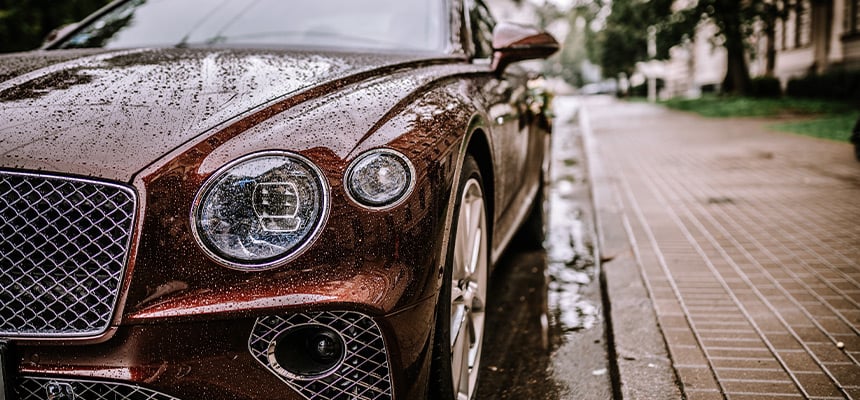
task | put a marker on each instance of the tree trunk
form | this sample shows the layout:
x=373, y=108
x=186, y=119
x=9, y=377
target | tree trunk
x=737, y=80
x=770, y=62
x=770, y=35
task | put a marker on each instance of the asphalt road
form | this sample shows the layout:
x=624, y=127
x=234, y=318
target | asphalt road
x=545, y=336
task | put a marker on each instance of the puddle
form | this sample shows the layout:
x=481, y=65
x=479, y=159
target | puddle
x=570, y=247
x=544, y=335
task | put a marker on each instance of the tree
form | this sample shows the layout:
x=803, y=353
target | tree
x=576, y=50
x=24, y=24
x=578, y=44
x=731, y=22
x=624, y=39
x=736, y=21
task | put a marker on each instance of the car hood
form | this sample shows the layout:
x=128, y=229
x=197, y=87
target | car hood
x=109, y=114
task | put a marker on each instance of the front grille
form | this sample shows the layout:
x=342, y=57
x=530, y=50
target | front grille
x=364, y=374
x=31, y=388
x=63, y=249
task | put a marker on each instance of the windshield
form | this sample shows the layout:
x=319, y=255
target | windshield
x=415, y=25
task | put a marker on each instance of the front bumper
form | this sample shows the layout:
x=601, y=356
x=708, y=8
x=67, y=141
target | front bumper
x=387, y=357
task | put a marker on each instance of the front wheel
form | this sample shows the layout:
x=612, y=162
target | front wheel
x=462, y=303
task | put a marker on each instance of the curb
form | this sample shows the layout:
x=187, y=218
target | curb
x=639, y=360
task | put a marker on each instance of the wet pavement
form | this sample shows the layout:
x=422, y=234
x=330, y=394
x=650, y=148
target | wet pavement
x=545, y=336
x=740, y=249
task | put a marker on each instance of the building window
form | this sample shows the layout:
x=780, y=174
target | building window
x=803, y=23
x=779, y=35
x=789, y=34
x=855, y=16
x=852, y=16
x=783, y=25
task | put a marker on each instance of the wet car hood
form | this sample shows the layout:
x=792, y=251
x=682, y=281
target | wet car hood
x=110, y=114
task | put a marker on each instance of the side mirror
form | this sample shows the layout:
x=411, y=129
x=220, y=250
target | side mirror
x=514, y=42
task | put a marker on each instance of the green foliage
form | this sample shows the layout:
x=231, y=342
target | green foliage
x=624, y=39
x=24, y=24
x=575, y=50
x=735, y=21
x=834, y=127
x=765, y=86
x=831, y=119
x=735, y=106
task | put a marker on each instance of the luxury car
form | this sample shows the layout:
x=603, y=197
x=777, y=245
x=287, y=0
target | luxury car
x=263, y=199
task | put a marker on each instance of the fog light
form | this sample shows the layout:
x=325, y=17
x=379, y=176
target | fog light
x=307, y=352
x=380, y=179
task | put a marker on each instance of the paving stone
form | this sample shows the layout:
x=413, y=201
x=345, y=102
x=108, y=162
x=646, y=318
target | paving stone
x=704, y=395
x=853, y=392
x=845, y=374
x=760, y=396
x=754, y=235
x=828, y=353
x=697, y=378
x=818, y=385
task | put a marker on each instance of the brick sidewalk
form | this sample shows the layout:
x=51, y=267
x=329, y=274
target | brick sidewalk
x=749, y=245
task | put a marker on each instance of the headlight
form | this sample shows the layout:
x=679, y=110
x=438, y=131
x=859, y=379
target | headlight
x=260, y=211
x=380, y=178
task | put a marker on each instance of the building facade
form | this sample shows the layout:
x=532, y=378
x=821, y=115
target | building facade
x=812, y=37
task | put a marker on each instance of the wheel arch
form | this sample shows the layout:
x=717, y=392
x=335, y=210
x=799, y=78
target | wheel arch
x=479, y=148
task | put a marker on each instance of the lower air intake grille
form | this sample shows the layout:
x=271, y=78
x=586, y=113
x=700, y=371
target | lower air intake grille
x=63, y=249
x=48, y=389
x=364, y=374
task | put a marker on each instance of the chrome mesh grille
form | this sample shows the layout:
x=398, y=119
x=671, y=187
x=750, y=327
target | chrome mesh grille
x=63, y=247
x=364, y=374
x=29, y=388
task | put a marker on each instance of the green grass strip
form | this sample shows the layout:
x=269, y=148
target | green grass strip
x=833, y=127
x=834, y=119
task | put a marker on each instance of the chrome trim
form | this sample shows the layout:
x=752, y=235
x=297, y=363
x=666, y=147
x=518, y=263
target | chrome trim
x=36, y=388
x=126, y=244
x=307, y=241
x=365, y=372
x=366, y=154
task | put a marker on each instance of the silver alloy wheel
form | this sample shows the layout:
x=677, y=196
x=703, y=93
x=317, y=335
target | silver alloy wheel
x=468, y=290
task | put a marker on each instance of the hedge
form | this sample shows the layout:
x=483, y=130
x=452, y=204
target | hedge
x=836, y=85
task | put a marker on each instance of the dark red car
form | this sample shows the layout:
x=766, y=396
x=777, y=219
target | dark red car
x=263, y=199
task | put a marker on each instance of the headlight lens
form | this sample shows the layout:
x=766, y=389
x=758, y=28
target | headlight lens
x=380, y=178
x=261, y=211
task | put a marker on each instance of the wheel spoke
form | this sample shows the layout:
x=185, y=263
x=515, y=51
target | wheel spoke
x=461, y=257
x=465, y=379
x=468, y=290
x=474, y=256
x=475, y=351
x=458, y=315
x=474, y=214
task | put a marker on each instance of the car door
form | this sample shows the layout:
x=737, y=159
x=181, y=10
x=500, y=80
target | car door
x=505, y=98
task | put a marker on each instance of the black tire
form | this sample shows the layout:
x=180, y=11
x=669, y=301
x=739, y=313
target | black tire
x=441, y=381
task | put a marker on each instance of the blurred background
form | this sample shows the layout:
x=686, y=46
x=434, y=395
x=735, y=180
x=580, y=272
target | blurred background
x=25, y=24
x=766, y=58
